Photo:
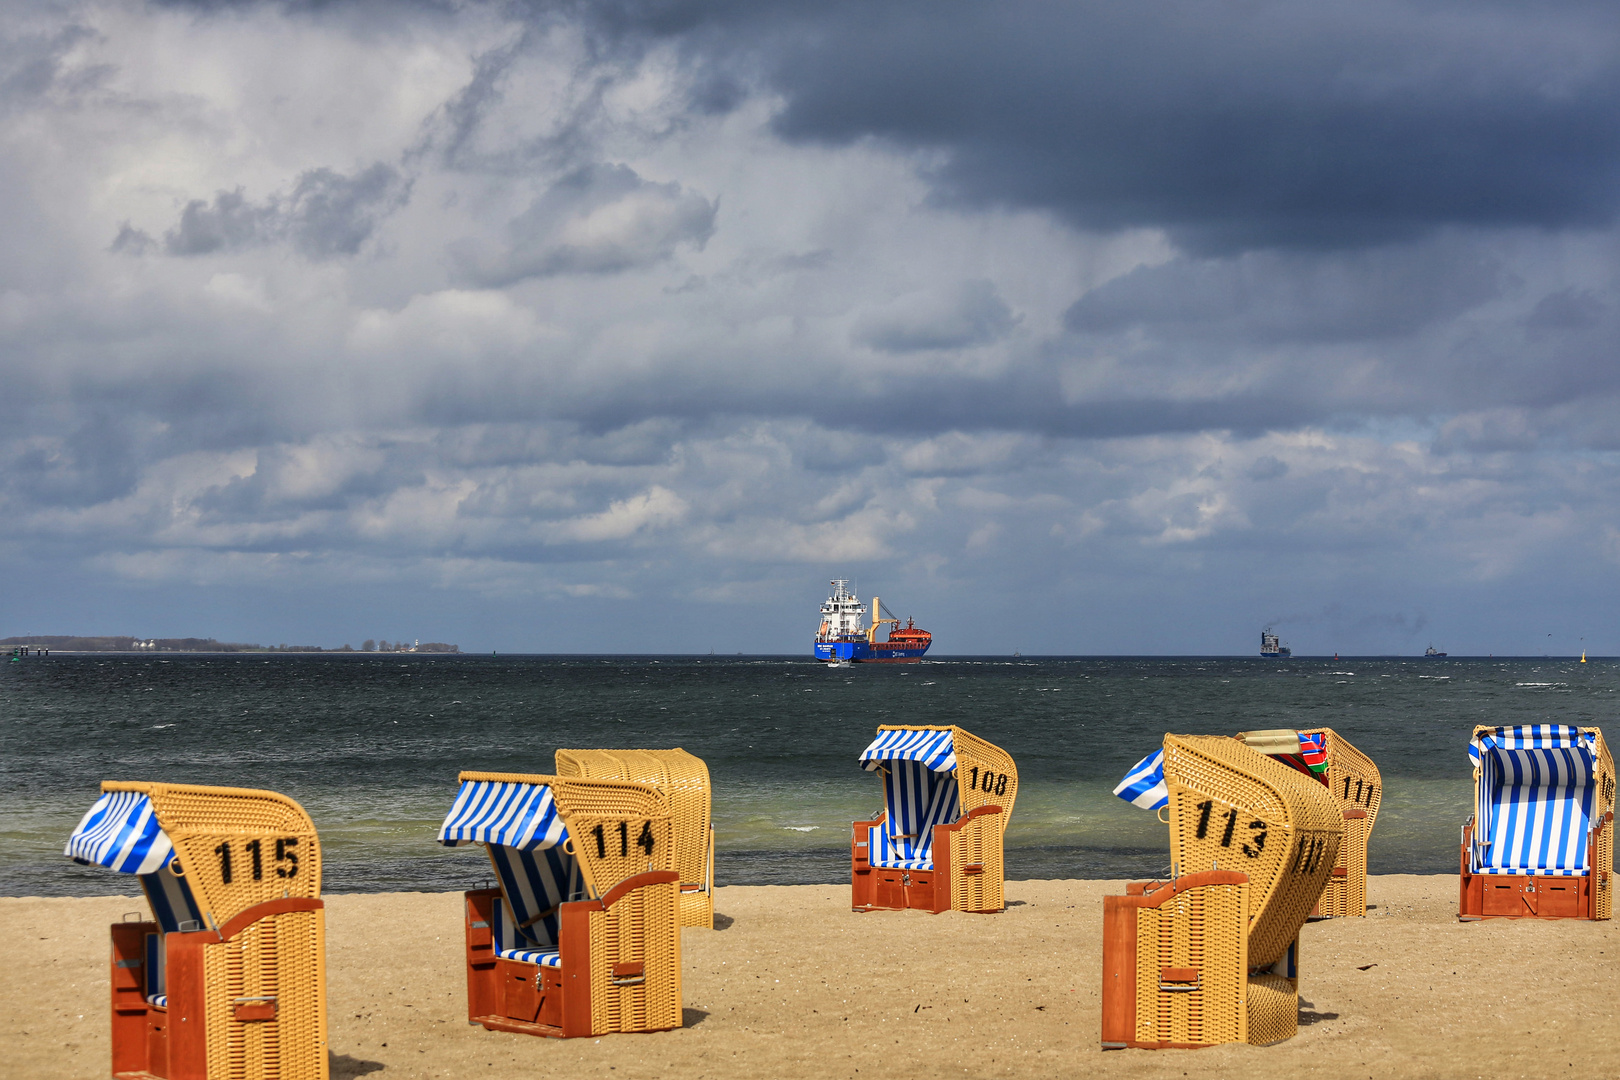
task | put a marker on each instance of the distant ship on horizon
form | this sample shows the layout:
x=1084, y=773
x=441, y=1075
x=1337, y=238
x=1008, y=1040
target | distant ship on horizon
x=1271, y=648
x=842, y=637
x=1432, y=655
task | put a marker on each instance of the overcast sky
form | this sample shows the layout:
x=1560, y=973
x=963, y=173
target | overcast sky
x=1064, y=327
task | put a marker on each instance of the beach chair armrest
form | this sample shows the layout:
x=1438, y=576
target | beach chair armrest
x=634, y=882
x=244, y=919
x=976, y=812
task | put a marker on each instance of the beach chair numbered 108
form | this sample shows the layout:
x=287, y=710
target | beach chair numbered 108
x=228, y=980
x=1212, y=955
x=1540, y=843
x=684, y=780
x=582, y=934
x=1353, y=780
x=937, y=845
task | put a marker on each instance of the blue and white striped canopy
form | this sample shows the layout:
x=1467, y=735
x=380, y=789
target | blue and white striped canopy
x=931, y=747
x=121, y=832
x=1531, y=737
x=510, y=814
x=1144, y=785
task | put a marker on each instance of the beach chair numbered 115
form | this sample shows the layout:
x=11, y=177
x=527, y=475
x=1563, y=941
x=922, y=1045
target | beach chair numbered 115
x=937, y=845
x=228, y=979
x=684, y=780
x=582, y=934
x=1212, y=955
x=1540, y=844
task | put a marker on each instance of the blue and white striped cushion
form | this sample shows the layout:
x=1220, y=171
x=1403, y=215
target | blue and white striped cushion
x=154, y=970
x=918, y=798
x=1536, y=794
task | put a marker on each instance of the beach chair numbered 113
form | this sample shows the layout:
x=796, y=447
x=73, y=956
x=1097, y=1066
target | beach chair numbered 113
x=1212, y=955
x=937, y=845
x=228, y=979
x=582, y=934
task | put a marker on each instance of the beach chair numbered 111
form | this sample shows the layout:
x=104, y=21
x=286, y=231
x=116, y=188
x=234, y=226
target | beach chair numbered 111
x=684, y=780
x=228, y=979
x=1540, y=844
x=1212, y=955
x=582, y=935
x=937, y=845
x=1354, y=782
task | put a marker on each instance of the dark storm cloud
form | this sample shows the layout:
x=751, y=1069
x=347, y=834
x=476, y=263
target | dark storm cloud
x=325, y=215
x=1233, y=125
x=1270, y=297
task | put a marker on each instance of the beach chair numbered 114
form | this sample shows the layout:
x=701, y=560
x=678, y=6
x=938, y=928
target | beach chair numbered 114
x=684, y=780
x=1212, y=955
x=937, y=845
x=228, y=979
x=581, y=936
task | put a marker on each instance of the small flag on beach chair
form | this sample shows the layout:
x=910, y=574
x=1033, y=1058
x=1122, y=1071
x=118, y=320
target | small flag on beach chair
x=1144, y=785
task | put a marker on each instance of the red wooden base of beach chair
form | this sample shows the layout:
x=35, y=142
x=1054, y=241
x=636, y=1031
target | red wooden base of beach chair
x=881, y=888
x=144, y=1044
x=555, y=1002
x=1524, y=896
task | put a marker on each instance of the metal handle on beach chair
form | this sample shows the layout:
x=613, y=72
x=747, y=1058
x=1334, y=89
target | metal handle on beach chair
x=630, y=973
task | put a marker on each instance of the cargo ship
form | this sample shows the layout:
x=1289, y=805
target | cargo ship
x=843, y=637
x=1271, y=648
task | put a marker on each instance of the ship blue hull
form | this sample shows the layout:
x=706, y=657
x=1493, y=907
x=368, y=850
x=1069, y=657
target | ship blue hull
x=859, y=652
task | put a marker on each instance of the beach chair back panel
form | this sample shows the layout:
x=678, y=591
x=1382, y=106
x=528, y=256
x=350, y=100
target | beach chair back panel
x=635, y=976
x=916, y=799
x=171, y=901
x=985, y=774
x=235, y=847
x=1192, y=966
x=617, y=828
x=533, y=885
x=1232, y=808
x=265, y=1011
x=1538, y=788
x=682, y=777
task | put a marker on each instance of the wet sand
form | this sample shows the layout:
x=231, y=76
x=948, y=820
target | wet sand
x=797, y=985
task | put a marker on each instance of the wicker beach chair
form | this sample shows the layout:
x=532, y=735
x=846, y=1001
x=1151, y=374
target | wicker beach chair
x=1212, y=955
x=684, y=780
x=228, y=979
x=582, y=936
x=1540, y=843
x=937, y=845
x=1353, y=780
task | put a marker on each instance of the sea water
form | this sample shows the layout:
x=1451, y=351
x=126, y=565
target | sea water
x=370, y=744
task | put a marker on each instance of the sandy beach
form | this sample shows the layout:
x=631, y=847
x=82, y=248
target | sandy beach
x=797, y=985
